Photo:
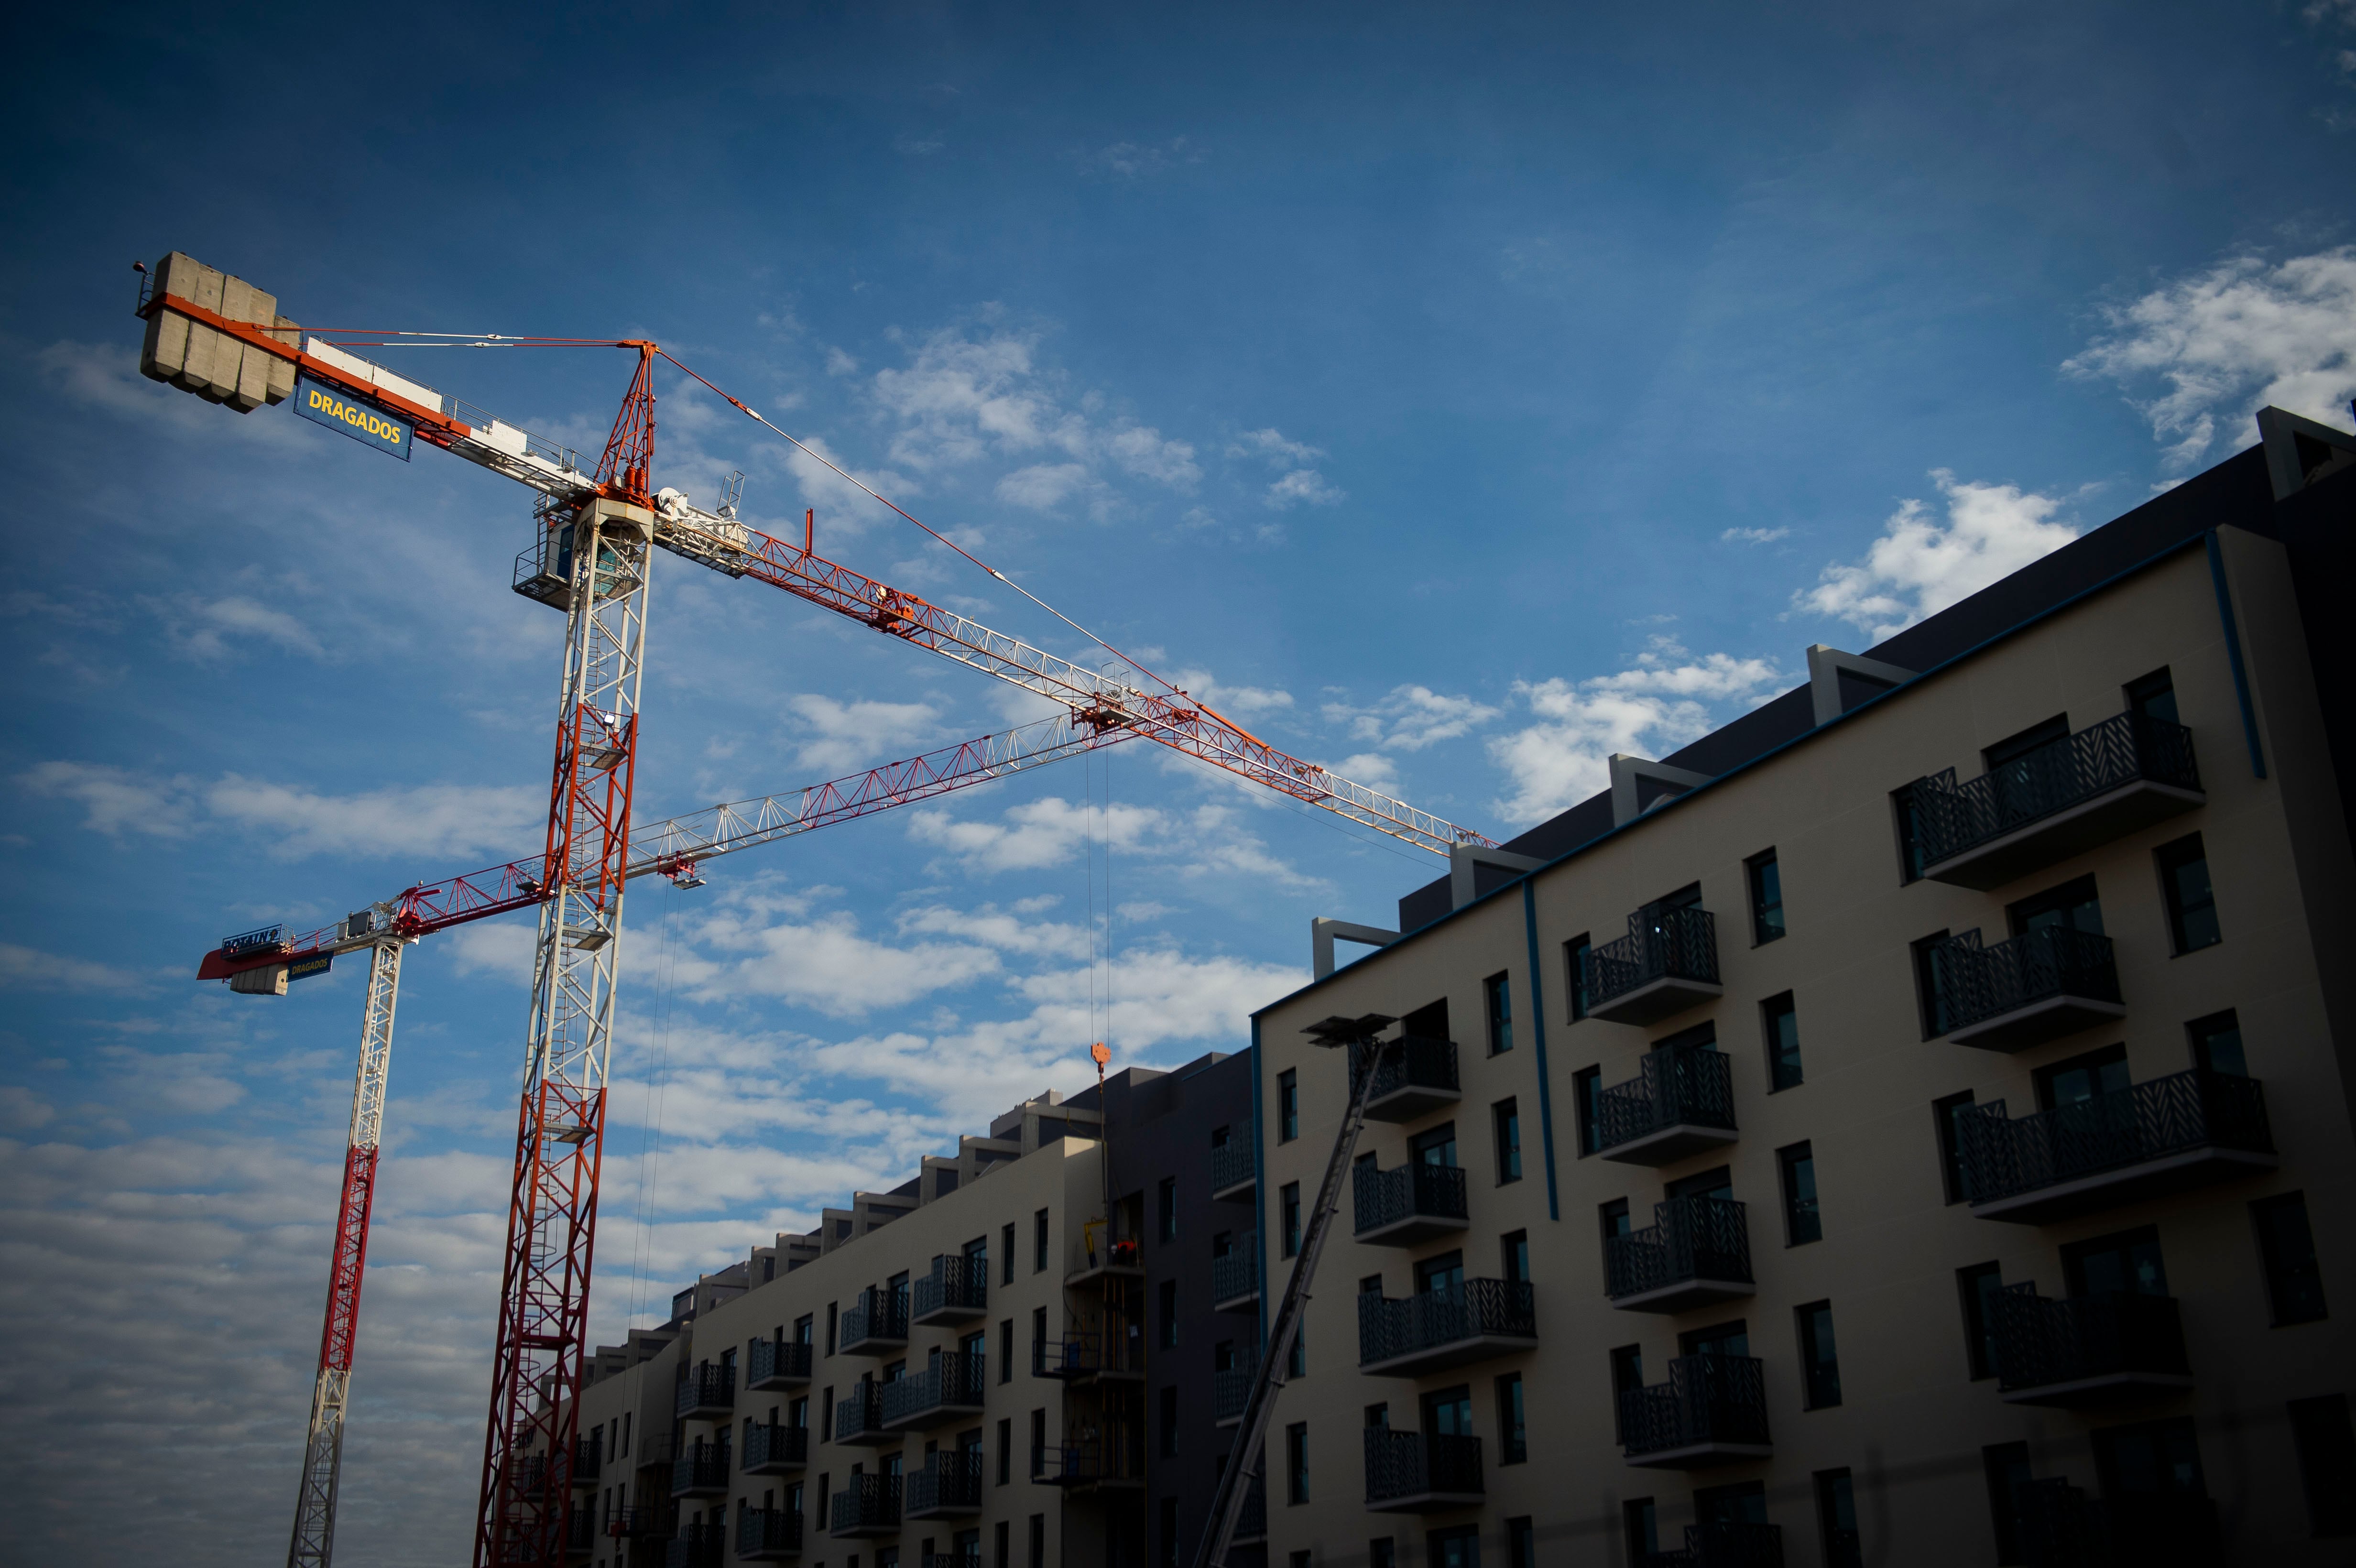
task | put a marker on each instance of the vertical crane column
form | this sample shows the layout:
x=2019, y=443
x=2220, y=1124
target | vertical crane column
x=323, y=1453
x=560, y=1134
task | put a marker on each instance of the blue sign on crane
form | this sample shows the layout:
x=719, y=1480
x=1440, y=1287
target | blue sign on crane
x=369, y=426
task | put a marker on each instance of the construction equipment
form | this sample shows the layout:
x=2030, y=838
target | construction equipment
x=596, y=529
x=1364, y=1054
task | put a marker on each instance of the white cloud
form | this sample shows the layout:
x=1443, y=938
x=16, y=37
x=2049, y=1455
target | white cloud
x=1919, y=567
x=2231, y=340
x=1236, y=701
x=106, y=376
x=1303, y=486
x=1036, y=834
x=1753, y=536
x=1136, y=160
x=848, y=735
x=1372, y=769
x=29, y=969
x=1275, y=446
x=503, y=947
x=1043, y=487
x=823, y=963
x=1411, y=718
x=115, y=800
x=843, y=505
x=205, y=632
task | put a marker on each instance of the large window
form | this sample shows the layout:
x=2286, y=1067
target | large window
x=1574, y=962
x=1627, y=1377
x=1289, y=1197
x=1929, y=983
x=1506, y=1124
x=2191, y=903
x=1039, y=1241
x=1006, y=1252
x=1169, y=1207
x=2320, y=1431
x=2285, y=1244
x=1296, y=1462
x=1168, y=1422
x=1166, y=1312
x=1907, y=813
x=1977, y=1285
x=1288, y=1107
x=1802, y=1223
x=2217, y=1044
x=1513, y=1435
x=1948, y=1114
x=1766, y=897
x=1587, y=1100
x=1819, y=1362
x=2007, y=1468
x=1642, y=1527
x=1779, y=1023
x=1836, y=1519
x=1498, y=992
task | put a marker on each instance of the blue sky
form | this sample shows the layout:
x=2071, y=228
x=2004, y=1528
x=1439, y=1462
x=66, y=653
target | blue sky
x=1454, y=396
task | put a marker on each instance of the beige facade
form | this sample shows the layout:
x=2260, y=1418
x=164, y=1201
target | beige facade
x=1916, y=1431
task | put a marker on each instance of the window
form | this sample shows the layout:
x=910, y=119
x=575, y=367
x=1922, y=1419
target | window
x=1574, y=961
x=1005, y=1454
x=1717, y=1182
x=1498, y=990
x=2086, y=1077
x=1038, y=1335
x=1613, y=1220
x=1516, y=1245
x=1440, y=1275
x=1638, y=1522
x=1448, y=1412
x=823, y=1493
x=1006, y=1253
x=2072, y=906
x=2191, y=903
x=1930, y=986
x=1165, y=1315
x=1289, y=1207
x=1521, y=1544
x=1587, y=1096
x=1801, y=1222
x=1170, y=1421
x=2320, y=1431
x=2293, y=1282
x=830, y=1311
x=1288, y=1107
x=1378, y=1417
x=1006, y=1349
x=1977, y=1286
x=1948, y=1113
x=1513, y=1434
x=1382, y=1552
x=1505, y=1120
x=1836, y=1519
x=1434, y=1145
x=1627, y=1378
x=1780, y=1024
x=1296, y=1463
x=1169, y=1199
x=1296, y=1365
x=1745, y=1502
x=1039, y=1241
x=1819, y=1365
x=1766, y=898
x=2122, y=1262
x=2149, y=1458
x=1038, y=1540
x=2153, y=696
x=1456, y=1548
x=2007, y=1468
x=1906, y=814
x=1038, y=1443
x=2217, y=1044
x=1003, y=1560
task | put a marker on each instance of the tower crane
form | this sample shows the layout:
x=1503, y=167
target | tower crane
x=221, y=339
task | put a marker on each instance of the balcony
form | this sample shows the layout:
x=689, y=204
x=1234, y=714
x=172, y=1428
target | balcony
x=1408, y=1205
x=696, y=1546
x=2085, y=1350
x=768, y=1535
x=634, y=1521
x=2157, y=1137
x=868, y=1506
x=1415, y=1472
x=706, y=1393
x=580, y=1533
x=876, y=1326
x=956, y=1291
x=2061, y=1527
x=859, y=1417
x=1115, y=1260
x=1726, y=1545
x=587, y=1460
x=1437, y=1329
x=1231, y=1389
x=1412, y=1076
x=1077, y=1358
x=2040, y=986
x=1234, y=1171
x=1680, y=1103
x=948, y=1487
x=952, y=1559
x=773, y=1450
x=1712, y=1411
x=775, y=1365
x=2063, y=799
x=949, y=1389
x=701, y=1471
x=1696, y=1251
x=1118, y=1464
x=1666, y=963
x=1235, y=1278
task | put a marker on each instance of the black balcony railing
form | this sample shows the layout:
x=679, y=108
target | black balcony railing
x=1433, y=1319
x=952, y=1380
x=1231, y=1388
x=587, y=1455
x=1661, y=945
x=2044, y=1344
x=771, y=1364
x=697, y=1546
x=633, y=1521
x=1251, y=1521
x=2063, y=773
x=1082, y=1355
x=1232, y=1165
x=1672, y=1088
x=1976, y=984
x=1381, y=1198
x=581, y=1533
x=1413, y=1063
x=706, y=1389
x=700, y=1468
x=859, y=1413
x=956, y=1285
x=770, y=1448
x=952, y=1559
x=769, y=1532
x=1708, y=1400
x=1080, y=1463
x=877, y=1318
x=946, y=1481
x=1689, y=1239
x=870, y=1505
x=1236, y=1275
x=1724, y=1544
x=2153, y=1120
x=2061, y=1527
x=1402, y=1465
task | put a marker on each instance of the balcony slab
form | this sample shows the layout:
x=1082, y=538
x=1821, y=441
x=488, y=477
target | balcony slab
x=2129, y=1184
x=1700, y=1456
x=1408, y=1101
x=1429, y=1502
x=1413, y=1229
x=1668, y=1145
x=2049, y=1019
x=1683, y=1294
x=2109, y=1388
x=1656, y=999
x=1455, y=1353
x=2050, y=840
x=1238, y=1191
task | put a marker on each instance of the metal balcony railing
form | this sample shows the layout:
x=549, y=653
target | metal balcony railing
x=1382, y=1199
x=2149, y=1121
x=859, y=1413
x=1232, y=1165
x=879, y=1319
x=1082, y=1355
x=701, y=1470
x=1251, y=1521
x=633, y=1521
x=769, y=1532
x=1724, y=1545
x=950, y=1382
x=709, y=1391
x=587, y=1458
x=948, y=1482
x=697, y=1546
x=1707, y=1401
x=1231, y=1389
x=952, y=1559
x=1236, y=1275
x=2053, y=1347
x=1412, y=1076
x=770, y=1363
x=1678, y=1087
x=770, y=1448
x=580, y=1532
x=1689, y=1239
x=1976, y=982
x=1661, y=945
x=958, y=1287
x=1405, y=1466
x=2062, y=774
x=2061, y=1527
x=1431, y=1321
x=870, y=1505
x=1083, y=1463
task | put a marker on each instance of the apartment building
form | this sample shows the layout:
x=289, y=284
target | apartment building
x=1912, y=1125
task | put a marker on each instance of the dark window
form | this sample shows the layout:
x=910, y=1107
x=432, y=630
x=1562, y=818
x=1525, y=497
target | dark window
x=1574, y=962
x=1587, y=1098
x=2013, y=748
x=1297, y=1364
x=1429, y=1021
x=1521, y=1543
x=1288, y=1107
x=1499, y=991
x=823, y=1491
x=1038, y=1334
x=1906, y=812
x=1378, y=1417
x=2124, y=1261
x=1515, y=1245
x=1977, y=1285
x=1929, y=983
x=1434, y=1145
x=2007, y=1468
x=2150, y=1458
x=1717, y=1182
x=1947, y=1114
x=2072, y=906
x=1743, y=1502
x=2326, y=1442
x=1006, y=1252
x=1820, y=1363
x=1613, y=1220
x=1638, y=1522
x=1513, y=1434
x=830, y=1328
x=1005, y=1452
x=2217, y=1044
x=2293, y=1280
x=1627, y=1375
x=1718, y=1340
x=1766, y=897
x=1038, y=1443
x=2191, y=903
x=2153, y=696
x=1166, y=1548
x=1038, y=1540
x=1167, y=1313
x=1006, y=1349
x=1296, y=1462
x=1170, y=1421
x=2087, y=1077
x=1459, y=1547
x=1836, y=1519
x=1802, y=1223
x=1005, y=1558
x=1039, y=1241
x=1382, y=1552
x=1440, y=1275
x=1169, y=1199
x=1780, y=1022
x=1289, y=1196
x=1448, y=1412
x=1506, y=1119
